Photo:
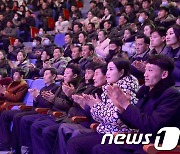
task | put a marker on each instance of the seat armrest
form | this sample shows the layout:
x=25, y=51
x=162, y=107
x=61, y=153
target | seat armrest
x=77, y=119
x=93, y=126
x=57, y=114
x=25, y=108
x=42, y=110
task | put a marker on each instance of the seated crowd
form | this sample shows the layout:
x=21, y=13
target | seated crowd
x=118, y=71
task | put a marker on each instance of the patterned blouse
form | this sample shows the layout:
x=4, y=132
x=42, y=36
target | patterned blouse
x=106, y=113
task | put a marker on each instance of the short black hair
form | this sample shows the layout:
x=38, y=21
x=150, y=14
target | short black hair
x=117, y=42
x=145, y=12
x=146, y=39
x=75, y=68
x=160, y=30
x=91, y=47
x=102, y=67
x=91, y=66
x=48, y=52
x=37, y=38
x=52, y=70
x=19, y=70
x=70, y=34
x=3, y=73
x=163, y=61
x=92, y=24
x=60, y=49
x=149, y=1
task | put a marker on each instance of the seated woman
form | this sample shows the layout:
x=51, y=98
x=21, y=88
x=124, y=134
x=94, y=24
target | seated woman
x=4, y=62
x=91, y=18
x=62, y=25
x=129, y=42
x=108, y=15
x=118, y=73
x=15, y=91
x=21, y=62
x=173, y=41
x=102, y=45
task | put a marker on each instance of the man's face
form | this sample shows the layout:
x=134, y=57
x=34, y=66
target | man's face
x=122, y=20
x=162, y=14
x=156, y=40
x=145, y=5
x=9, y=24
x=128, y=9
x=89, y=74
x=153, y=74
x=86, y=52
x=89, y=28
x=99, y=78
x=112, y=46
x=1, y=17
x=107, y=26
x=57, y=54
x=16, y=76
x=76, y=29
x=76, y=53
x=140, y=46
x=16, y=42
x=69, y=75
x=68, y=39
x=48, y=77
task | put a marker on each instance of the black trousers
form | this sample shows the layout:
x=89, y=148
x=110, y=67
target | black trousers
x=11, y=119
x=91, y=144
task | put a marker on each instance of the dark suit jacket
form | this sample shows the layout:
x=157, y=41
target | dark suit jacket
x=155, y=109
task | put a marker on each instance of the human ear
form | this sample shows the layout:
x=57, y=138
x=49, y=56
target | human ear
x=164, y=74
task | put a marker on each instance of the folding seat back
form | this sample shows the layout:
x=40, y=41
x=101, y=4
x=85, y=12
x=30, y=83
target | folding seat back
x=33, y=31
x=51, y=23
x=59, y=39
x=33, y=61
x=38, y=83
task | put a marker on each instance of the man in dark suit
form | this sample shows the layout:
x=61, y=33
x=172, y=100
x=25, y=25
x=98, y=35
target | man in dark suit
x=60, y=101
x=158, y=107
x=15, y=115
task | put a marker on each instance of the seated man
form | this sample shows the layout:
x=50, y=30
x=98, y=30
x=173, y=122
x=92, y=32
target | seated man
x=8, y=138
x=158, y=107
x=60, y=101
x=16, y=90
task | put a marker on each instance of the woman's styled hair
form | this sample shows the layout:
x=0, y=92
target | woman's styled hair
x=122, y=63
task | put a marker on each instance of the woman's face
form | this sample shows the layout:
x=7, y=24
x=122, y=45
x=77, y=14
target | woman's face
x=106, y=12
x=171, y=38
x=20, y=57
x=99, y=78
x=147, y=31
x=60, y=19
x=81, y=38
x=113, y=74
x=89, y=15
x=1, y=56
x=127, y=34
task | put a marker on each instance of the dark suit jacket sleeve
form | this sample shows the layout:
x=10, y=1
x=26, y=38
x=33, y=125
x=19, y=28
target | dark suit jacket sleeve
x=161, y=116
x=18, y=96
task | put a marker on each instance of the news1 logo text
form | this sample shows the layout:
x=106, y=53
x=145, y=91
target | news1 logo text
x=170, y=140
